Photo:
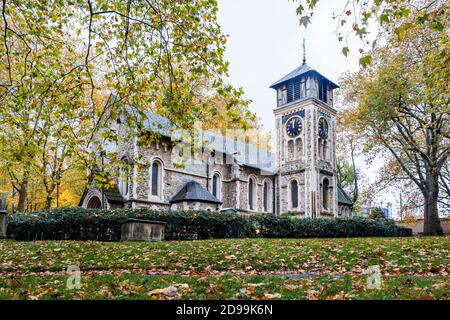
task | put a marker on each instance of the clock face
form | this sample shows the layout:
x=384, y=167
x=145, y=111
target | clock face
x=294, y=126
x=323, y=128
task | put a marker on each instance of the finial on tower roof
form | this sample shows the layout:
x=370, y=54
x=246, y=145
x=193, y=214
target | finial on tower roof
x=304, y=51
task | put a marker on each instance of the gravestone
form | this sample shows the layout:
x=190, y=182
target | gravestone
x=3, y=217
x=142, y=230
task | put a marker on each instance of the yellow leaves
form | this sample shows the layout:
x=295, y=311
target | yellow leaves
x=312, y=294
x=171, y=292
x=111, y=183
x=128, y=289
x=105, y=292
x=156, y=292
x=272, y=295
x=339, y=296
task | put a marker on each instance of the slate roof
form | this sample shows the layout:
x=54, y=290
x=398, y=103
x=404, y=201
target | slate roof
x=194, y=191
x=343, y=197
x=303, y=69
x=244, y=154
x=113, y=195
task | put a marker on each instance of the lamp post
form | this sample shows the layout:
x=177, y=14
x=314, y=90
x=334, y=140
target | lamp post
x=58, y=181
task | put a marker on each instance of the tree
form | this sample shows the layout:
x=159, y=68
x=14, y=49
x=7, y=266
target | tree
x=403, y=107
x=156, y=55
x=347, y=173
x=42, y=114
x=377, y=214
x=389, y=16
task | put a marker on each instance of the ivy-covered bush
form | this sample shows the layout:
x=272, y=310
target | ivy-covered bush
x=283, y=227
x=92, y=224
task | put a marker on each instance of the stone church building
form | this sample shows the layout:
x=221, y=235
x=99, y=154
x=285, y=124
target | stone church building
x=232, y=175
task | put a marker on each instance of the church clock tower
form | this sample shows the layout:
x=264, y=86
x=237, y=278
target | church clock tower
x=306, y=140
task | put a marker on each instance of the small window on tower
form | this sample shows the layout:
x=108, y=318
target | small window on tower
x=290, y=92
x=325, y=194
x=330, y=95
x=297, y=90
x=283, y=95
x=308, y=87
x=302, y=87
x=294, y=194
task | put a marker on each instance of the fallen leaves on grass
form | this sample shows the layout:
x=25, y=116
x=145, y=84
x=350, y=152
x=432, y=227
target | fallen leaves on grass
x=171, y=292
x=395, y=256
x=272, y=295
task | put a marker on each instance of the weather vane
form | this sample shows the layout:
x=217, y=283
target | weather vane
x=304, y=51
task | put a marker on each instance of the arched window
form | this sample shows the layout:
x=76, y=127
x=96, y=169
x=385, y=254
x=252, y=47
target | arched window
x=156, y=179
x=299, y=148
x=216, y=184
x=266, y=196
x=251, y=193
x=324, y=153
x=294, y=194
x=124, y=186
x=290, y=149
x=320, y=149
x=325, y=193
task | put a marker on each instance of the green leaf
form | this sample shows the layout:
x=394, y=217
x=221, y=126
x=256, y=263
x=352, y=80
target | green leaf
x=384, y=18
x=365, y=61
x=345, y=51
x=400, y=32
x=305, y=20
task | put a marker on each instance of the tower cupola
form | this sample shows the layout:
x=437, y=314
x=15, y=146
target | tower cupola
x=304, y=83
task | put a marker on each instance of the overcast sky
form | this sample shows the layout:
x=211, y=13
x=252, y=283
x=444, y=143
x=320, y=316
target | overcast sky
x=265, y=43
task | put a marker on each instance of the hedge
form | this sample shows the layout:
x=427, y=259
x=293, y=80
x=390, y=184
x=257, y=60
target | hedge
x=93, y=224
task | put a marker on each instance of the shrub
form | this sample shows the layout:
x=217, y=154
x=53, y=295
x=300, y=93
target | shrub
x=377, y=214
x=281, y=227
x=92, y=224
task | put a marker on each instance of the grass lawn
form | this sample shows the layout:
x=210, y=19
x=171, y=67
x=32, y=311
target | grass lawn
x=411, y=268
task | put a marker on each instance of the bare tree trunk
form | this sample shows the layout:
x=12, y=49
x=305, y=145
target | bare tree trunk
x=432, y=225
x=355, y=174
x=48, y=202
x=23, y=193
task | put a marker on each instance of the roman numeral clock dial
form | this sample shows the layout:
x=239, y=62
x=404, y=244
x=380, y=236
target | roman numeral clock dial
x=294, y=127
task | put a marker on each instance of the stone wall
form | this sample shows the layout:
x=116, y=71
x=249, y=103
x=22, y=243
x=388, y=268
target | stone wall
x=417, y=225
x=344, y=211
x=194, y=205
x=234, y=178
